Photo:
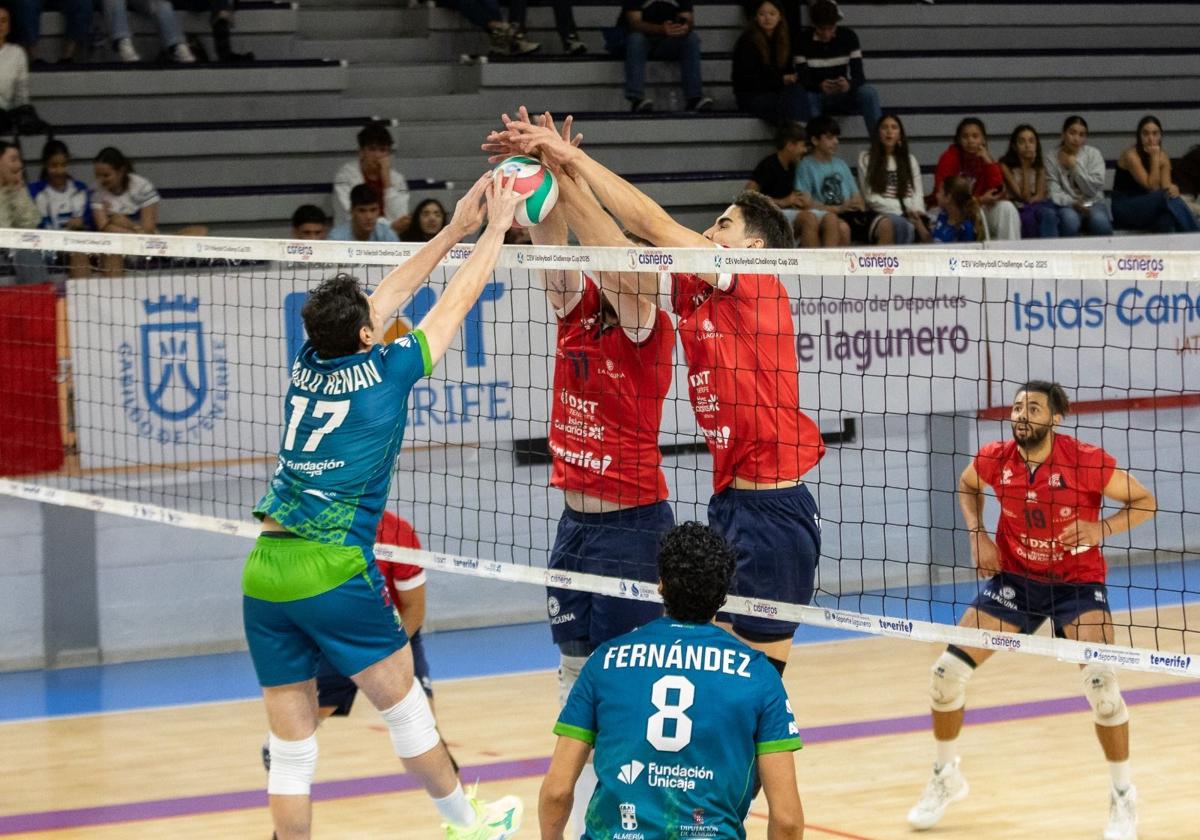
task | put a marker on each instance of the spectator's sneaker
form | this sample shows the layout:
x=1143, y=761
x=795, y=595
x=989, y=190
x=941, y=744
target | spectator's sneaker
x=497, y=820
x=182, y=54
x=1122, y=815
x=520, y=46
x=641, y=106
x=125, y=51
x=574, y=46
x=700, y=104
x=947, y=785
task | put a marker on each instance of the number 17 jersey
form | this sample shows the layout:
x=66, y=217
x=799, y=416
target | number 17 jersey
x=677, y=714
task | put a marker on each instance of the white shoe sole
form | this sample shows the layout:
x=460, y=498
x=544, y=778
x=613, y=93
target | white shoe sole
x=926, y=825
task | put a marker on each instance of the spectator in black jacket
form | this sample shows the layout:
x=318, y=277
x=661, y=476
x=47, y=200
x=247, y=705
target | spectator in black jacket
x=764, y=75
x=830, y=62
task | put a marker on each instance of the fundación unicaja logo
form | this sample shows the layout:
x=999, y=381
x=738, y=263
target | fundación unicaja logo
x=629, y=772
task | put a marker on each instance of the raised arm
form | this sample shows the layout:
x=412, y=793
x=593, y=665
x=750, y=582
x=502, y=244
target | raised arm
x=631, y=293
x=636, y=210
x=443, y=321
x=563, y=287
x=401, y=282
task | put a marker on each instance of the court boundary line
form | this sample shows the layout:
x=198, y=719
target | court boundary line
x=196, y=805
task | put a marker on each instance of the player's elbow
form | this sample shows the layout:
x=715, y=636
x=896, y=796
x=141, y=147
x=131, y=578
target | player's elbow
x=556, y=794
x=786, y=823
x=1146, y=504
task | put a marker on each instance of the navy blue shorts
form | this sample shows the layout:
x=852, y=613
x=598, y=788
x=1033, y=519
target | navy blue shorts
x=339, y=691
x=1027, y=603
x=776, y=537
x=623, y=544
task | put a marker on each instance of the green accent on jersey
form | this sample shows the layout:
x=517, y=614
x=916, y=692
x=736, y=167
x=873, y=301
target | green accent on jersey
x=426, y=356
x=290, y=568
x=786, y=745
x=576, y=732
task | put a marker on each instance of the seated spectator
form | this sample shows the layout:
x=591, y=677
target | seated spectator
x=564, y=23
x=374, y=167
x=959, y=217
x=27, y=26
x=968, y=156
x=366, y=223
x=1144, y=195
x=890, y=178
x=764, y=76
x=843, y=214
x=220, y=20
x=1024, y=173
x=1075, y=176
x=122, y=202
x=663, y=30
x=63, y=202
x=309, y=222
x=830, y=62
x=427, y=220
x=116, y=16
x=18, y=211
x=506, y=39
x=16, y=114
x=775, y=177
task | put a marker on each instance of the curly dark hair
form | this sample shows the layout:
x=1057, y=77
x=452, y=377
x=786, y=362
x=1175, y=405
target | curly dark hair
x=1056, y=395
x=695, y=566
x=762, y=217
x=334, y=314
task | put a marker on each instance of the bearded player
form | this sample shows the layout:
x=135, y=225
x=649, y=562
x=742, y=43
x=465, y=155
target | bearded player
x=743, y=381
x=1044, y=563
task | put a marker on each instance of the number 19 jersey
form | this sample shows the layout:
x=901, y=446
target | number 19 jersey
x=677, y=714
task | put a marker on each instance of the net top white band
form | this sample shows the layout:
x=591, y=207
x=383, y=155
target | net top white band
x=1066, y=650
x=925, y=261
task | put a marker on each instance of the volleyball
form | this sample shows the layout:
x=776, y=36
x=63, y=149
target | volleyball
x=535, y=183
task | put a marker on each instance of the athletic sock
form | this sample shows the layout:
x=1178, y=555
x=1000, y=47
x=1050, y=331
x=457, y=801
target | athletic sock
x=947, y=751
x=585, y=786
x=1122, y=776
x=456, y=808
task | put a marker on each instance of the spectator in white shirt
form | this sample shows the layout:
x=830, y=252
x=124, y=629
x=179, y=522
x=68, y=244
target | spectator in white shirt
x=17, y=211
x=122, y=201
x=890, y=179
x=63, y=202
x=366, y=224
x=374, y=167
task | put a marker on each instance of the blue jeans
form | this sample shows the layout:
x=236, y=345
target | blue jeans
x=902, y=228
x=864, y=101
x=639, y=48
x=1098, y=222
x=116, y=13
x=1153, y=211
x=26, y=19
x=775, y=107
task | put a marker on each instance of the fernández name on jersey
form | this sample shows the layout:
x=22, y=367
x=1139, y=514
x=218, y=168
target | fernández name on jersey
x=678, y=657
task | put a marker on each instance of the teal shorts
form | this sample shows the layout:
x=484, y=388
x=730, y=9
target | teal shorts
x=302, y=599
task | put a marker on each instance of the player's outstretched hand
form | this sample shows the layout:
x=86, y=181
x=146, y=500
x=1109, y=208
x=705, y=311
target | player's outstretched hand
x=1080, y=534
x=502, y=200
x=469, y=212
x=520, y=136
x=985, y=554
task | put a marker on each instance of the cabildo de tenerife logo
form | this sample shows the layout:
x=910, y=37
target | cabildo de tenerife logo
x=1148, y=266
x=174, y=376
x=875, y=263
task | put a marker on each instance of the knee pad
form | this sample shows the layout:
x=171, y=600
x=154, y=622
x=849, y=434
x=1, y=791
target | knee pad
x=1104, y=695
x=293, y=764
x=411, y=725
x=568, y=672
x=948, y=683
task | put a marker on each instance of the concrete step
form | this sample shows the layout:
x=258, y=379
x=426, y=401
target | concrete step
x=375, y=22
x=413, y=79
x=127, y=82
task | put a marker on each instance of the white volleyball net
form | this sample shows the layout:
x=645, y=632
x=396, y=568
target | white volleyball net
x=156, y=391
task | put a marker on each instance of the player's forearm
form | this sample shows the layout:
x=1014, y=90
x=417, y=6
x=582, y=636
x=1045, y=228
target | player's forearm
x=636, y=210
x=401, y=282
x=1133, y=514
x=444, y=320
x=970, y=501
x=554, y=809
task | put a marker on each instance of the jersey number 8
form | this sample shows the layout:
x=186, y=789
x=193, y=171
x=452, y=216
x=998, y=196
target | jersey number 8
x=656, y=726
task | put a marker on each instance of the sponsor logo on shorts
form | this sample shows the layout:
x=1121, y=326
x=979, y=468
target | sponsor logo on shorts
x=552, y=606
x=1008, y=592
x=557, y=616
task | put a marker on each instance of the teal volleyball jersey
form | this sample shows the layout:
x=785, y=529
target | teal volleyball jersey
x=344, y=423
x=677, y=714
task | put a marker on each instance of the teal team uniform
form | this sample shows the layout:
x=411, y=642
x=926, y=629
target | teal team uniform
x=677, y=714
x=315, y=589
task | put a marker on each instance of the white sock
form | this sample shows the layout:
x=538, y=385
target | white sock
x=947, y=751
x=585, y=786
x=456, y=808
x=1122, y=776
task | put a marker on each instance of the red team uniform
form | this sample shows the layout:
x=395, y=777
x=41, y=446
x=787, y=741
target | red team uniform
x=1038, y=574
x=743, y=381
x=607, y=407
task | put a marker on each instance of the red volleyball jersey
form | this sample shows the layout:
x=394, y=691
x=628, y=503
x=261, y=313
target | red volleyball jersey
x=608, y=404
x=743, y=377
x=393, y=530
x=1036, y=506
